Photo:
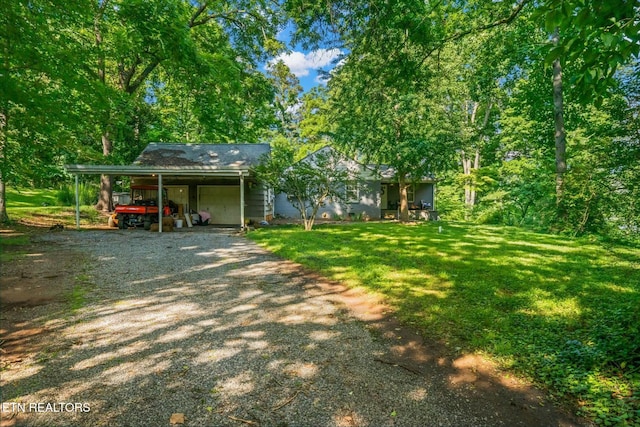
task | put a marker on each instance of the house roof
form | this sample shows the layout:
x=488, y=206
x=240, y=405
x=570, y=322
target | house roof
x=220, y=156
x=185, y=160
x=383, y=172
x=388, y=174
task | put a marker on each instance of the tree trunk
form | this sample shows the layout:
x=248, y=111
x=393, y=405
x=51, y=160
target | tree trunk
x=309, y=220
x=4, y=131
x=476, y=166
x=469, y=182
x=468, y=168
x=404, y=203
x=4, y=217
x=560, y=135
x=308, y=224
x=105, y=200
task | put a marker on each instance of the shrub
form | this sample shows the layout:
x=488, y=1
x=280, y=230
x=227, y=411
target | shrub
x=67, y=194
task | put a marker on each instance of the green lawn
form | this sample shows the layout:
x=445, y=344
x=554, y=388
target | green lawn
x=43, y=208
x=31, y=197
x=565, y=312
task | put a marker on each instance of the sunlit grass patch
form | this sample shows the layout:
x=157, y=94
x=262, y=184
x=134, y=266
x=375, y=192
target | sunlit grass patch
x=31, y=197
x=565, y=312
x=42, y=208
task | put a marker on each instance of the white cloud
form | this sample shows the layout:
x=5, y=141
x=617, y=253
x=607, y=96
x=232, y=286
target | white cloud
x=323, y=79
x=301, y=64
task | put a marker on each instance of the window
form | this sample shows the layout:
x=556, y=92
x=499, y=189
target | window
x=352, y=192
x=411, y=194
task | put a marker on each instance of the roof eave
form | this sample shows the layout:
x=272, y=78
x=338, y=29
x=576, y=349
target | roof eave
x=156, y=170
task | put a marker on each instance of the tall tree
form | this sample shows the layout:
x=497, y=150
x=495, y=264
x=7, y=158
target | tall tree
x=41, y=77
x=560, y=134
x=403, y=125
x=316, y=126
x=134, y=38
x=395, y=98
x=596, y=38
x=287, y=92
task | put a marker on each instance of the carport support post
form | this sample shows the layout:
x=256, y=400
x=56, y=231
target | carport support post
x=241, y=201
x=433, y=196
x=160, y=203
x=77, y=203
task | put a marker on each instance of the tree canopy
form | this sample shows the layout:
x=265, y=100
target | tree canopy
x=463, y=87
x=463, y=90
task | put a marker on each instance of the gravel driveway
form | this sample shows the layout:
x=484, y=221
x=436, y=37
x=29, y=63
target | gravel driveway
x=210, y=327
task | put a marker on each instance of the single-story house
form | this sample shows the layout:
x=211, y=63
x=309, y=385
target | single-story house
x=375, y=195
x=219, y=179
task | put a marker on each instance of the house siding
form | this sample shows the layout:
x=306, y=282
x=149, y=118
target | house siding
x=368, y=204
x=283, y=208
x=255, y=199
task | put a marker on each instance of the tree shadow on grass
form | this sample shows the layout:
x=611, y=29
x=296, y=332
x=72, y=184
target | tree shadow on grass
x=545, y=305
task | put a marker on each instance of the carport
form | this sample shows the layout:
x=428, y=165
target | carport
x=239, y=172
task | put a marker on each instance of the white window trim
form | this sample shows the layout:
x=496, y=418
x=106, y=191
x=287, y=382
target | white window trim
x=352, y=192
x=411, y=193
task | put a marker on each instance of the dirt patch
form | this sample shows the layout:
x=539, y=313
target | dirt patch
x=35, y=283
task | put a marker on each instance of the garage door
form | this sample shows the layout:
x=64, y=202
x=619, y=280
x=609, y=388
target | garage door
x=221, y=201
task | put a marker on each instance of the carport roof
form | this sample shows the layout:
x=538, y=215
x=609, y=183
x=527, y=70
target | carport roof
x=185, y=160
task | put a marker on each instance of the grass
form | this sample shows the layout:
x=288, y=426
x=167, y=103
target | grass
x=50, y=215
x=12, y=242
x=31, y=197
x=42, y=208
x=564, y=312
x=32, y=209
x=77, y=297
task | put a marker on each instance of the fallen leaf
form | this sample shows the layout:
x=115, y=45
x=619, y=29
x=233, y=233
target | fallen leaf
x=176, y=419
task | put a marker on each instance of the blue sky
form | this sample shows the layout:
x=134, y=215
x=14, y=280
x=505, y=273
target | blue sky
x=306, y=63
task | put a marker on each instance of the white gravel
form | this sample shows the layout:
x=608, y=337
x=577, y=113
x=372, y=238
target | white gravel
x=210, y=326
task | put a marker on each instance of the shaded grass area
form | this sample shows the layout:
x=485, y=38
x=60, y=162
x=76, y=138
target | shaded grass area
x=42, y=208
x=565, y=312
x=10, y=246
x=50, y=215
x=42, y=197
